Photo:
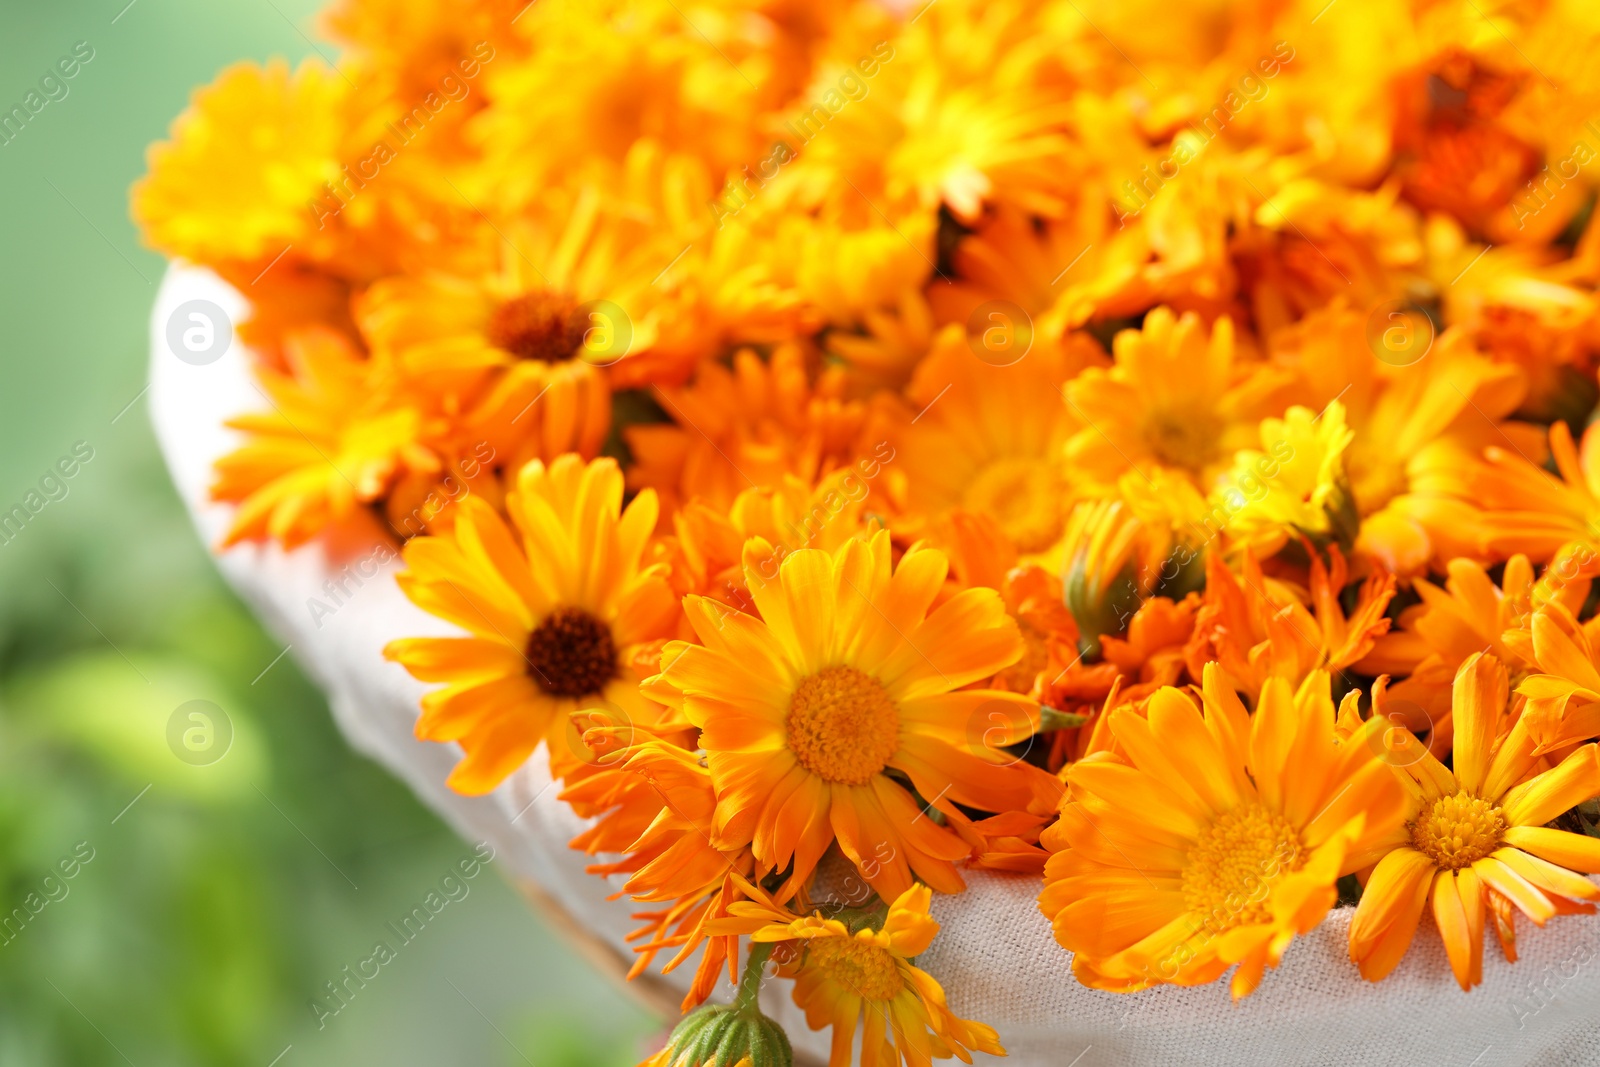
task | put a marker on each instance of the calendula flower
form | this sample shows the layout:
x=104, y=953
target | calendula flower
x=1562, y=685
x=1295, y=486
x=217, y=195
x=1177, y=396
x=1470, y=614
x=844, y=677
x=1412, y=404
x=1173, y=870
x=1475, y=838
x=602, y=78
x=934, y=117
x=1524, y=508
x=1448, y=127
x=984, y=434
x=748, y=426
x=1259, y=628
x=1311, y=244
x=528, y=348
x=337, y=437
x=656, y=806
x=862, y=975
x=555, y=605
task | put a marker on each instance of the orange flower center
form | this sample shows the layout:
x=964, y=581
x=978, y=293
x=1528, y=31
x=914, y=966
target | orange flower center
x=1458, y=830
x=1236, y=862
x=842, y=725
x=572, y=654
x=860, y=966
x=541, y=325
x=1024, y=496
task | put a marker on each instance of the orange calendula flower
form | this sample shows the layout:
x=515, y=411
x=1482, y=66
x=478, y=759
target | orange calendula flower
x=1177, y=397
x=1475, y=837
x=1526, y=509
x=1259, y=628
x=338, y=437
x=984, y=432
x=556, y=605
x=1172, y=870
x=1563, y=688
x=1469, y=615
x=847, y=975
x=846, y=676
x=658, y=805
x=737, y=429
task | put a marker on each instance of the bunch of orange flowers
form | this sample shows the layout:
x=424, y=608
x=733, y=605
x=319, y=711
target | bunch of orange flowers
x=1137, y=447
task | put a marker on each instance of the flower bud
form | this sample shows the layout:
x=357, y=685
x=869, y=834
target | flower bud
x=725, y=1036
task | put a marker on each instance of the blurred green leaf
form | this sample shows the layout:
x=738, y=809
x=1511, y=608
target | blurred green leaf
x=123, y=711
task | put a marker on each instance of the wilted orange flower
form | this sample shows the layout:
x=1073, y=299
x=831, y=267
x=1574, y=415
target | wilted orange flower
x=1469, y=615
x=1259, y=628
x=659, y=805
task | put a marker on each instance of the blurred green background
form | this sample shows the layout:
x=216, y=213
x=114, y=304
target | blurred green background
x=216, y=905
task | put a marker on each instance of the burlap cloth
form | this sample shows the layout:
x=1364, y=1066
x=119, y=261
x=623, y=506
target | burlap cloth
x=995, y=956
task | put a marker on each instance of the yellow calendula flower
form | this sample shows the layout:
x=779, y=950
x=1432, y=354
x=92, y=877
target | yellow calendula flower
x=862, y=976
x=217, y=194
x=1295, y=485
x=555, y=605
x=1177, y=396
x=338, y=436
x=1173, y=870
x=1475, y=844
x=1414, y=404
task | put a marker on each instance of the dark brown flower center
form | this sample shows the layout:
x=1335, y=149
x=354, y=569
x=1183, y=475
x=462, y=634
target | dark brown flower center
x=572, y=654
x=540, y=325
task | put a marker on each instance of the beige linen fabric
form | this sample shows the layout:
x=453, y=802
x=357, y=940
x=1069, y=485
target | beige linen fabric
x=995, y=956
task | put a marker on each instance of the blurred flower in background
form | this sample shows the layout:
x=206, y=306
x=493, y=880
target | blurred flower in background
x=178, y=880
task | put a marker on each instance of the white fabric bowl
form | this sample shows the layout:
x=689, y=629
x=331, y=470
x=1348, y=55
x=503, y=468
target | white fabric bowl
x=995, y=956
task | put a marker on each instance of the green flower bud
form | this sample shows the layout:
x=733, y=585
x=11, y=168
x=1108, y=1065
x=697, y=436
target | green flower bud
x=725, y=1036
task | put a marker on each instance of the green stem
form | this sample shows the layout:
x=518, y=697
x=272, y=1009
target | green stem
x=750, y=984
